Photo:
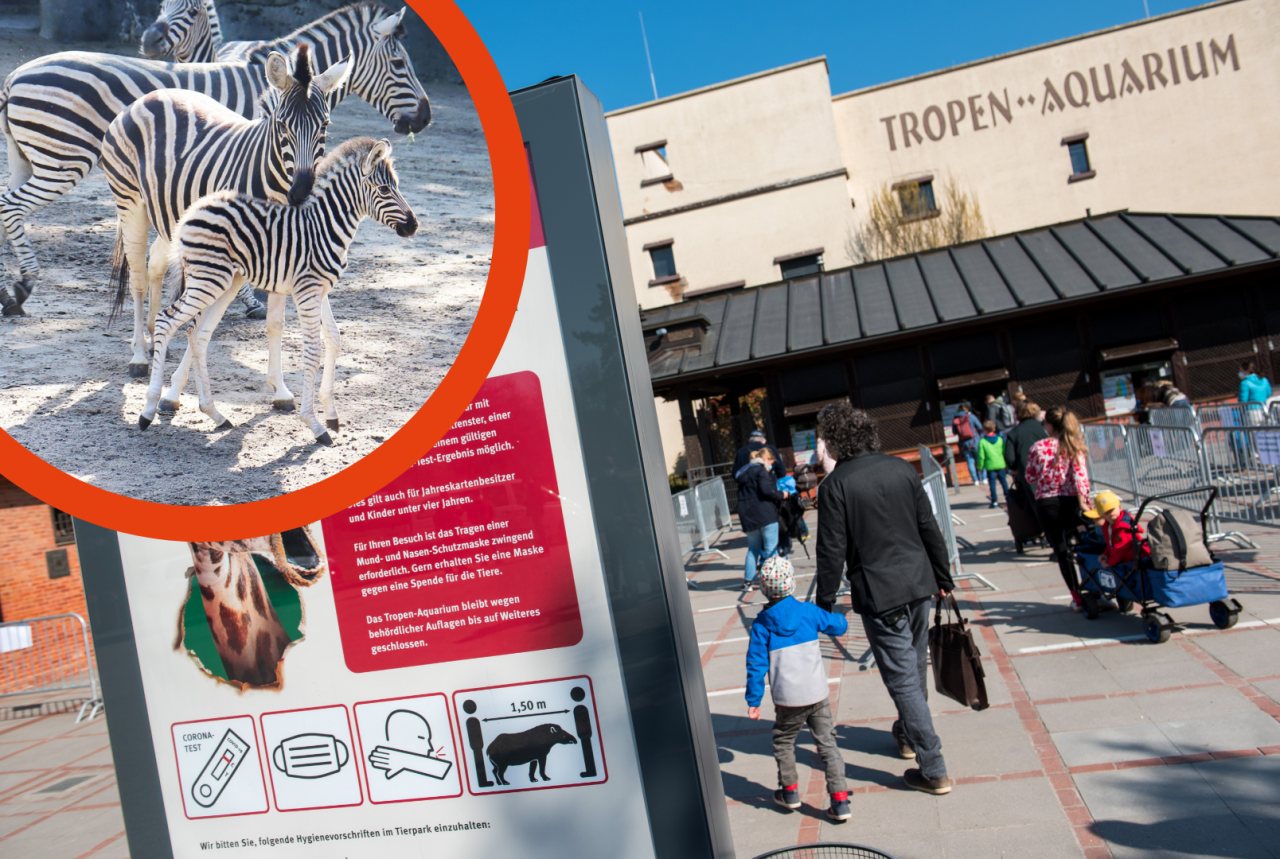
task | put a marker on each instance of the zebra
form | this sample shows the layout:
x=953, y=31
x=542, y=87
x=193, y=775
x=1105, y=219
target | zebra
x=228, y=238
x=171, y=147
x=55, y=110
x=347, y=29
x=186, y=31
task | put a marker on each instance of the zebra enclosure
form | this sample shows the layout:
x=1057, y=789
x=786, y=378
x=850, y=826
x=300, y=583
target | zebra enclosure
x=403, y=307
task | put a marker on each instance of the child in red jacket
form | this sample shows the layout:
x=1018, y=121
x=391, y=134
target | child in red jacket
x=1118, y=529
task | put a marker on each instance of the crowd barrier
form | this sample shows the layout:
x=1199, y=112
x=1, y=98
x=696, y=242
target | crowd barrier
x=933, y=478
x=48, y=654
x=702, y=512
x=1148, y=460
x=705, y=473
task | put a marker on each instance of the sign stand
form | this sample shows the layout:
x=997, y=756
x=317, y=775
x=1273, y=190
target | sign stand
x=593, y=685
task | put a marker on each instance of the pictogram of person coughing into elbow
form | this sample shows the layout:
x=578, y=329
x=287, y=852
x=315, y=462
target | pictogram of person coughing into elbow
x=475, y=739
x=582, y=723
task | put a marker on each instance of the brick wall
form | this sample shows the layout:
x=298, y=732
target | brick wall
x=26, y=534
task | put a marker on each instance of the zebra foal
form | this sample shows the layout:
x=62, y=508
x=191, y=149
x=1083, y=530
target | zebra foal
x=172, y=147
x=227, y=238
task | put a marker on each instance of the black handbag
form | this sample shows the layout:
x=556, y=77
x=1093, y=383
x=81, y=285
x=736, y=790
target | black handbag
x=957, y=663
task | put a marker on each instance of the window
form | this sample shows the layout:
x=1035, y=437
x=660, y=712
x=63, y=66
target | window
x=63, y=532
x=1078, y=150
x=653, y=162
x=801, y=264
x=664, y=262
x=916, y=197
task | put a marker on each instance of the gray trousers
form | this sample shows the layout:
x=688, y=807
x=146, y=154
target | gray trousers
x=901, y=650
x=787, y=725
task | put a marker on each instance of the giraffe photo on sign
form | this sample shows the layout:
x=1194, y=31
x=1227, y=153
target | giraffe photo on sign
x=243, y=609
x=247, y=245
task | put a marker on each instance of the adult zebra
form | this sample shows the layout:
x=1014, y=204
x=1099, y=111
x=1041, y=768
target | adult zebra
x=55, y=110
x=172, y=147
x=226, y=239
x=186, y=31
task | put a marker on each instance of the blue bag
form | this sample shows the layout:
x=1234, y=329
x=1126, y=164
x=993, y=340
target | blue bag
x=1195, y=586
x=787, y=484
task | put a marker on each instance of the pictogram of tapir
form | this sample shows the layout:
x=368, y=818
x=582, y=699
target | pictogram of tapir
x=527, y=747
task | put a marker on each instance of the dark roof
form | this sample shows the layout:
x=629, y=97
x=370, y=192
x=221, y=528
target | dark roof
x=1076, y=259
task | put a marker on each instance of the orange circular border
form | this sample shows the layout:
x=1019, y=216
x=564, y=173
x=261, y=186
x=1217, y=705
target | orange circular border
x=425, y=428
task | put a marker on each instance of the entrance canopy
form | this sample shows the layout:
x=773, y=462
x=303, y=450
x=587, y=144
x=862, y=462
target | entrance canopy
x=748, y=329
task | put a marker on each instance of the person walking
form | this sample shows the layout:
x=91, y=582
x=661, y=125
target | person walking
x=1253, y=389
x=991, y=460
x=1030, y=429
x=1057, y=470
x=876, y=520
x=1000, y=413
x=784, y=646
x=967, y=429
x=755, y=442
x=758, y=498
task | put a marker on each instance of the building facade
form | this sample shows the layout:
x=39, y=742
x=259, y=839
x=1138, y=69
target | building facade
x=39, y=566
x=765, y=180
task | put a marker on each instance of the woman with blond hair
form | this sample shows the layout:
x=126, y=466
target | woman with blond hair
x=758, y=498
x=1059, y=475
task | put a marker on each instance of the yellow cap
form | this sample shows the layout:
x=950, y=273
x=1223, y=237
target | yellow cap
x=1103, y=502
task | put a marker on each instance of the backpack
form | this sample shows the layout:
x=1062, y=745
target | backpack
x=1177, y=542
x=805, y=478
x=963, y=427
x=1007, y=415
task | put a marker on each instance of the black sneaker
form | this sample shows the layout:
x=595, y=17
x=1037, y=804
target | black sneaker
x=746, y=585
x=839, y=810
x=904, y=746
x=936, y=786
x=789, y=798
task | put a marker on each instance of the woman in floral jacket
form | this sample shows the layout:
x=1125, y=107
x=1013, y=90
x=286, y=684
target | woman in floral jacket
x=1057, y=471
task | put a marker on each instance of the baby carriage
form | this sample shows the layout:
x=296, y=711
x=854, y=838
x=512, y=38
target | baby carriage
x=1141, y=583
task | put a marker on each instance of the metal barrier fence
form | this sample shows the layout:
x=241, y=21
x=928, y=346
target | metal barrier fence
x=1244, y=465
x=1231, y=415
x=48, y=654
x=1108, y=457
x=1177, y=416
x=1166, y=459
x=701, y=512
x=705, y=473
x=934, y=481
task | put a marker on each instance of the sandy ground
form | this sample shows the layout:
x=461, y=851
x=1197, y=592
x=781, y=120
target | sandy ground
x=404, y=308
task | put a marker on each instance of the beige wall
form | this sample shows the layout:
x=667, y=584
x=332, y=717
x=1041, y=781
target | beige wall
x=1205, y=145
x=769, y=128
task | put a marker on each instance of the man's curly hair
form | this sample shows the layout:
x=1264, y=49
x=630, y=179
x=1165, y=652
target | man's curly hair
x=847, y=431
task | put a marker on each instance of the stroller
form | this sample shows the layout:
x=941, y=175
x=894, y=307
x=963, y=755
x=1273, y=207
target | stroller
x=1139, y=582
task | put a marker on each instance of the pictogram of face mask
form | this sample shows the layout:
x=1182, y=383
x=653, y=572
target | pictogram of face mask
x=310, y=755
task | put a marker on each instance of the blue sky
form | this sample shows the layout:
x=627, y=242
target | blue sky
x=695, y=44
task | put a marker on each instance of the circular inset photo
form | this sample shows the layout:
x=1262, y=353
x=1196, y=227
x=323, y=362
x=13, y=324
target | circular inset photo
x=248, y=248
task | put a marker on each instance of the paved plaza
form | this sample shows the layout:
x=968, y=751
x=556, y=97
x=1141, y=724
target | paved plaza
x=1096, y=743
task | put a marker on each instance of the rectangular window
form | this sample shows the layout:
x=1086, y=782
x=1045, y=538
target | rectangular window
x=63, y=532
x=653, y=163
x=664, y=262
x=916, y=197
x=1078, y=151
x=801, y=264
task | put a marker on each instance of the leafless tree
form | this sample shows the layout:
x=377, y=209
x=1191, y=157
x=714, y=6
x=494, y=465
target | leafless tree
x=904, y=220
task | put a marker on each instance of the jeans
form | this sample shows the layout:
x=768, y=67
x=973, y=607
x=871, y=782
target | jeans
x=970, y=459
x=900, y=643
x=992, y=477
x=1058, y=516
x=762, y=543
x=788, y=723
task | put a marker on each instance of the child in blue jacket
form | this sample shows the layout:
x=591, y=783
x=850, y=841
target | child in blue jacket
x=784, y=645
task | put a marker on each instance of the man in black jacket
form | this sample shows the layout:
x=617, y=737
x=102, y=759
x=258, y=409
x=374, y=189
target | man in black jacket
x=1028, y=431
x=875, y=518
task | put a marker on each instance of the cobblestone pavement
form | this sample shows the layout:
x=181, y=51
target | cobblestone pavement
x=1096, y=743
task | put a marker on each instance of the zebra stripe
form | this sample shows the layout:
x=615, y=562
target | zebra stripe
x=227, y=238
x=172, y=147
